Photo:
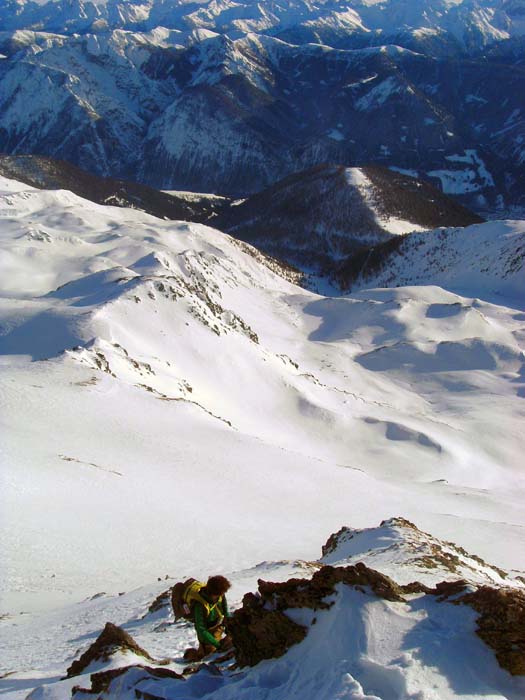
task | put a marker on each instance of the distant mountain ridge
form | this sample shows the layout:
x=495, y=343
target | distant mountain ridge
x=47, y=173
x=313, y=220
x=230, y=98
x=464, y=24
x=318, y=217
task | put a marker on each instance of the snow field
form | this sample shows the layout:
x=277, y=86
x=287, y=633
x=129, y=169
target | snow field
x=171, y=406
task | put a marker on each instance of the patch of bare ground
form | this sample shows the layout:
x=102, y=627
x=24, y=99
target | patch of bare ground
x=501, y=624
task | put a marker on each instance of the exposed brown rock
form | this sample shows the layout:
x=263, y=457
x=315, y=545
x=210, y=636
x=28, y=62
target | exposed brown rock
x=163, y=600
x=262, y=634
x=447, y=589
x=501, y=624
x=402, y=522
x=261, y=630
x=110, y=640
x=416, y=587
x=301, y=593
x=101, y=681
x=333, y=541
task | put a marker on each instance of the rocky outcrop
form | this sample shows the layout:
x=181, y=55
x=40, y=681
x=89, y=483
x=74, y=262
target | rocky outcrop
x=501, y=624
x=101, y=682
x=262, y=634
x=111, y=640
x=163, y=600
x=403, y=549
x=261, y=629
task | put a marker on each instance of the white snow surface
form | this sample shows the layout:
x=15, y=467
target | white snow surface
x=357, y=178
x=362, y=648
x=170, y=405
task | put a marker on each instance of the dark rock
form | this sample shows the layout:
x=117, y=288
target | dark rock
x=262, y=634
x=334, y=540
x=447, y=589
x=163, y=600
x=100, y=682
x=416, y=587
x=261, y=630
x=110, y=640
x=501, y=624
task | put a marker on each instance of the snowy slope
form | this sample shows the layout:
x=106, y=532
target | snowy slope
x=158, y=377
x=487, y=259
x=360, y=644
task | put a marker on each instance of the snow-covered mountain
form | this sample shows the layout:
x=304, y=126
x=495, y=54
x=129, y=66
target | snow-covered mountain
x=465, y=23
x=396, y=613
x=316, y=218
x=229, y=98
x=155, y=370
x=450, y=257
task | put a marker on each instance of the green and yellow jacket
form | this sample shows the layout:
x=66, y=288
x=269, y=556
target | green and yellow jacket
x=208, y=615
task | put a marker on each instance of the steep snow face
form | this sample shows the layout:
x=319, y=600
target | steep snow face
x=160, y=379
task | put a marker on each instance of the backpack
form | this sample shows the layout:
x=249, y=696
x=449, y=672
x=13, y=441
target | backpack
x=182, y=608
x=184, y=594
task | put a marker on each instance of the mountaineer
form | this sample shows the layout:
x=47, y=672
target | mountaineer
x=206, y=606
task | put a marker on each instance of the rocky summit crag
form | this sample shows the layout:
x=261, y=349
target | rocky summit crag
x=281, y=630
x=230, y=98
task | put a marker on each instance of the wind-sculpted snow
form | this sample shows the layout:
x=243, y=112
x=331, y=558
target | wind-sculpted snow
x=301, y=630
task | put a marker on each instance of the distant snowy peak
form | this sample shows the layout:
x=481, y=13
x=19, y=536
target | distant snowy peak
x=141, y=105
x=316, y=217
x=470, y=24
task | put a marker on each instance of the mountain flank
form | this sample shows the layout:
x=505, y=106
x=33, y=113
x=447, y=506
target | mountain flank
x=319, y=216
x=318, y=220
x=50, y=173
